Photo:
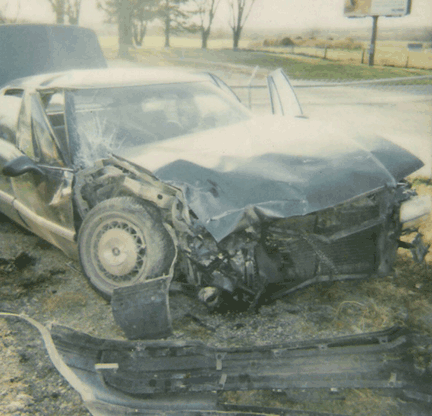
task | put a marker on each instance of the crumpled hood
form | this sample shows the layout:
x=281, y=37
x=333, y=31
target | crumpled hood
x=272, y=167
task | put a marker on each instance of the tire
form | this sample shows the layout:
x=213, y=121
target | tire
x=123, y=242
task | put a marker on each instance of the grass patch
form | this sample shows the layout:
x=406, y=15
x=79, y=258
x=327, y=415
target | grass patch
x=417, y=181
x=387, y=53
x=186, y=53
x=65, y=301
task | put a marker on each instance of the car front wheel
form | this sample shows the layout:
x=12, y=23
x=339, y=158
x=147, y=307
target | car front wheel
x=123, y=242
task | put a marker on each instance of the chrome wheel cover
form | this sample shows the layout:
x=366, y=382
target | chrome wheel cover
x=118, y=251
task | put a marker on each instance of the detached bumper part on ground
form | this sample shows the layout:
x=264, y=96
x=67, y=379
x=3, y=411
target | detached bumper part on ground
x=150, y=377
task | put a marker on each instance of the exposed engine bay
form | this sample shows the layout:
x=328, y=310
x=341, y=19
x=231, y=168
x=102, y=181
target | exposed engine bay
x=265, y=259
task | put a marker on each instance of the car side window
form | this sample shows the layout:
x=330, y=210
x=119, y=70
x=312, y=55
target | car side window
x=45, y=148
x=24, y=138
x=10, y=103
x=54, y=106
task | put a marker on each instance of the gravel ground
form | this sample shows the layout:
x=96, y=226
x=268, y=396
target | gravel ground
x=38, y=280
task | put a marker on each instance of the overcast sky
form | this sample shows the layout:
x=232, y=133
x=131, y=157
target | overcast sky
x=283, y=14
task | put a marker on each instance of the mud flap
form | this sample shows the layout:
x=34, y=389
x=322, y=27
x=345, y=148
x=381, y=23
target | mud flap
x=142, y=310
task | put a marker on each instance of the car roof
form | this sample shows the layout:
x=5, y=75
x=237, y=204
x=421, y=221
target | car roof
x=108, y=78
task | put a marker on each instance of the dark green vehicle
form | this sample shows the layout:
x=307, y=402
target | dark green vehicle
x=156, y=172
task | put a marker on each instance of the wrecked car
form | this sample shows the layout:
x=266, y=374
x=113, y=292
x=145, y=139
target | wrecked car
x=143, y=173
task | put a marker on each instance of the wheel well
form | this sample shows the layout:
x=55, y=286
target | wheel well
x=106, y=180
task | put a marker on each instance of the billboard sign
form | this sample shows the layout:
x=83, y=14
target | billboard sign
x=363, y=8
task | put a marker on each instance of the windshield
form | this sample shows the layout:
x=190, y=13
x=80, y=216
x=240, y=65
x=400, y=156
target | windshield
x=103, y=121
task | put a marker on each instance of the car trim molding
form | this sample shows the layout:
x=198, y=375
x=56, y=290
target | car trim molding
x=43, y=222
x=6, y=198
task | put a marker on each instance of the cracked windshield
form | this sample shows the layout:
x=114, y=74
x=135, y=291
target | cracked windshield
x=108, y=120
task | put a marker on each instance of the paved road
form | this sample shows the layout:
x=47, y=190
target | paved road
x=402, y=114
x=403, y=117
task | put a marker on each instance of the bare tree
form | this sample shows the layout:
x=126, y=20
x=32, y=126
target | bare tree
x=59, y=8
x=66, y=8
x=176, y=17
x=206, y=11
x=4, y=18
x=73, y=8
x=124, y=21
x=4, y=12
x=144, y=12
x=120, y=11
x=131, y=17
x=239, y=13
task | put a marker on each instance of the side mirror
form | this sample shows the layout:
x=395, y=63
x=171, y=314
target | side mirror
x=21, y=165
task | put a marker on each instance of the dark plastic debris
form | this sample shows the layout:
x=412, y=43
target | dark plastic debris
x=170, y=377
x=142, y=310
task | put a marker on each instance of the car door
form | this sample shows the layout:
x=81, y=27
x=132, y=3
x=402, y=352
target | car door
x=43, y=198
x=10, y=104
x=8, y=152
x=283, y=99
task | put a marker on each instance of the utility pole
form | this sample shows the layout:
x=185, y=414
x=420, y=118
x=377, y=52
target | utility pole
x=373, y=40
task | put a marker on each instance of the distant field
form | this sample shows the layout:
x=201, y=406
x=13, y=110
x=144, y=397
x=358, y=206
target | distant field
x=157, y=42
x=388, y=53
x=187, y=52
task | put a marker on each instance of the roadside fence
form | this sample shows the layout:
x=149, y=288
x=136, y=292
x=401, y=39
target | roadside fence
x=401, y=58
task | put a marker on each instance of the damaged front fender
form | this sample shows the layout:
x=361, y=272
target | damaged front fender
x=113, y=177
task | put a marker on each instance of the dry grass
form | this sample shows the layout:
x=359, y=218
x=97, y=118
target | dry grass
x=304, y=64
x=352, y=402
x=158, y=42
x=65, y=301
x=388, y=53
